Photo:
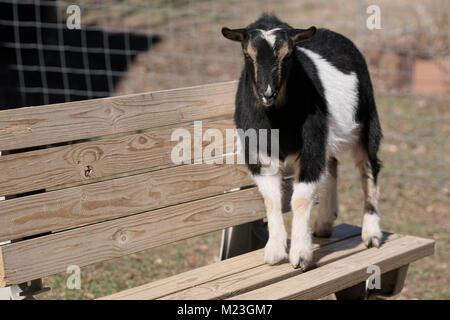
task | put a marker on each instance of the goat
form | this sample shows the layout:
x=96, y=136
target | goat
x=314, y=87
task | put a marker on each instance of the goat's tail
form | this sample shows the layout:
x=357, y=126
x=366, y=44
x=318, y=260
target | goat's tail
x=372, y=135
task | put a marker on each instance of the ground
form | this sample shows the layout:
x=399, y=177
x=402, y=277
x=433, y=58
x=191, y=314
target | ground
x=415, y=189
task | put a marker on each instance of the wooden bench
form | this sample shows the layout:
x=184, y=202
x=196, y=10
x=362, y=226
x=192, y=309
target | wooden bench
x=115, y=190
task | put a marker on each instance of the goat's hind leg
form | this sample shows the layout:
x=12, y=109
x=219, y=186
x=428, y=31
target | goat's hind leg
x=371, y=232
x=328, y=201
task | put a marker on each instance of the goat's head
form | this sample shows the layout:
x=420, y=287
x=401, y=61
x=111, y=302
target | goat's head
x=268, y=57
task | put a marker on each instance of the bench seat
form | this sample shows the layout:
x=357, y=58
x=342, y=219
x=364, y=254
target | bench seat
x=339, y=262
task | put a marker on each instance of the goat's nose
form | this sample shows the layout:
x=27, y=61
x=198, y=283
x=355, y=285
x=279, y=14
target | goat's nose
x=268, y=93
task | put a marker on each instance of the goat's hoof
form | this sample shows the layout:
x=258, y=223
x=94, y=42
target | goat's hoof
x=275, y=252
x=300, y=258
x=370, y=242
x=372, y=239
x=371, y=236
x=371, y=233
x=323, y=230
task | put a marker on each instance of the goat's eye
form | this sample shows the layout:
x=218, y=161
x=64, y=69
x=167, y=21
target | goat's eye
x=246, y=55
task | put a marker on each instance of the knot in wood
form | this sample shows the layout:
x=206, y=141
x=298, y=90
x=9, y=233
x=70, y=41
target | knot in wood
x=122, y=237
x=228, y=208
x=88, y=172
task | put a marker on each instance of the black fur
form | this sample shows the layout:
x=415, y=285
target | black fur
x=302, y=117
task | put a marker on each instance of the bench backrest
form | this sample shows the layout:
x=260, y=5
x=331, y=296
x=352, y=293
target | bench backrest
x=93, y=200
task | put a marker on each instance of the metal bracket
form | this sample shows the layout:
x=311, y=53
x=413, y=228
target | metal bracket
x=243, y=238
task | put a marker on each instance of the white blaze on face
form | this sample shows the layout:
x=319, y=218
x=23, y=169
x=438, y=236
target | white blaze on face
x=268, y=92
x=269, y=36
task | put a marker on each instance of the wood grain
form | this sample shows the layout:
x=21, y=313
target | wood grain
x=90, y=161
x=50, y=254
x=199, y=276
x=68, y=208
x=345, y=272
x=264, y=275
x=35, y=126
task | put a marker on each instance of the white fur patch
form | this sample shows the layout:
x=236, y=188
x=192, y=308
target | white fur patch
x=269, y=36
x=304, y=190
x=270, y=187
x=341, y=94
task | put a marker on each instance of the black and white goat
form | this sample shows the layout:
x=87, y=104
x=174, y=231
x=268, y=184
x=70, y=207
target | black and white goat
x=314, y=86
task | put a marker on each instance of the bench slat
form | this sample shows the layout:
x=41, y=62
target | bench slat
x=35, y=126
x=212, y=272
x=67, y=165
x=50, y=254
x=345, y=272
x=67, y=208
x=264, y=275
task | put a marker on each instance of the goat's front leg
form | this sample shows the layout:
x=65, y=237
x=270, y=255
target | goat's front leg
x=310, y=172
x=300, y=254
x=270, y=188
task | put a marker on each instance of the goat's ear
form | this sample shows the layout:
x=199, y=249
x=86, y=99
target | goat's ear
x=234, y=34
x=298, y=35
